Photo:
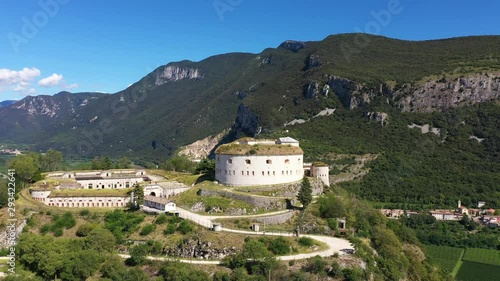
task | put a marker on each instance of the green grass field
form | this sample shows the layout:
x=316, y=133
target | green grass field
x=486, y=256
x=473, y=271
x=446, y=257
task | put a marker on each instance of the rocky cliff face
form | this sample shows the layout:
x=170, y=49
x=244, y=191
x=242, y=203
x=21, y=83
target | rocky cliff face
x=446, y=93
x=61, y=104
x=246, y=124
x=350, y=93
x=430, y=96
x=292, y=45
x=202, y=148
x=37, y=106
x=174, y=73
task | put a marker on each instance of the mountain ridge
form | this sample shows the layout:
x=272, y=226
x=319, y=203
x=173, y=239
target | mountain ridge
x=192, y=100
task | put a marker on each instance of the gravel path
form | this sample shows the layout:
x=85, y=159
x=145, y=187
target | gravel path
x=335, y=245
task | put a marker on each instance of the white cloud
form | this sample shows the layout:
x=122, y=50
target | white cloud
x=31, y=91
x=51, y=81
x=19, y=80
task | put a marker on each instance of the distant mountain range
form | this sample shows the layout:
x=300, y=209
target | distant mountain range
x=378, y=87
x=182, y=102
x=7, y=102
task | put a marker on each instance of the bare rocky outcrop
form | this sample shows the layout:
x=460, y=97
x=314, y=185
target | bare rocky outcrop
x=200, y=149
x=312, y=90
x=174, y=73
x=264, y=60
x=246, y=124
x=446, y=93
x=353, y=94
x=313, y=61
x=433, y=95
x=292, y=45
x=379, y=117
x=39, y=105
x=197, y=249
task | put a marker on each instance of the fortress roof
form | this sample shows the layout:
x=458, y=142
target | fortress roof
x=258, y=150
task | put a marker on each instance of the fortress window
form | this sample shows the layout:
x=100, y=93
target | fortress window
x=274, y=173
x=230, y=161
x=242, y=173
x=248, y=161
x=268, y=161
x=248, y=173
x=268, y=173
x=287, y=161
x=263, y=173
x=253, y=173
x=234, y=172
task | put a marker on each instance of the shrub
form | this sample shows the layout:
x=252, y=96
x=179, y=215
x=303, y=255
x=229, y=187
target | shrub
x=306, y=241
x=45, y=228
x=58, y=232
x=84, y=212
x=184, y=227
x=161, y=219
x=147, y=229
x=279, y=246
x=170, y=229
x=315, y=265
x=84, y=229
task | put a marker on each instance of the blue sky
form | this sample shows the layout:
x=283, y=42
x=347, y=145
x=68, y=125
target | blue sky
x=47, y=46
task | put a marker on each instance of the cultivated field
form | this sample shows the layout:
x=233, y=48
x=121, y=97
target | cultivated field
x=474, y=271
x=446, y=257
x=471, y=264
x=485, y=256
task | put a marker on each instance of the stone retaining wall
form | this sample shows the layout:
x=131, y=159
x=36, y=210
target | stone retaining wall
x=276, y=219
x=267, y=203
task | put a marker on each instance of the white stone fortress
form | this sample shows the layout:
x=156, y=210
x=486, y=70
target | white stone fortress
x=250, y=162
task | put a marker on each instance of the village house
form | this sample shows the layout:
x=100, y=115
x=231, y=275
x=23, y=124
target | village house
x=159, y=203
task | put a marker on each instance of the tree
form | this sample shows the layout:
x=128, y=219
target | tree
x=176, y=271
x=101, y=240
x=51, y=160
x=305, y=193
x=138, y=195
x=138, y=254
x=27, y=168
x=123, y=163
x=255, y=250
x=207, y=167
x=330, y=206
x=99, y=163
x=179, y=163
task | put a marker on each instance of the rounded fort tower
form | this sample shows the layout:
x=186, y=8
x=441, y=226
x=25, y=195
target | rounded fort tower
x=321, y=171
x=249, y=161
